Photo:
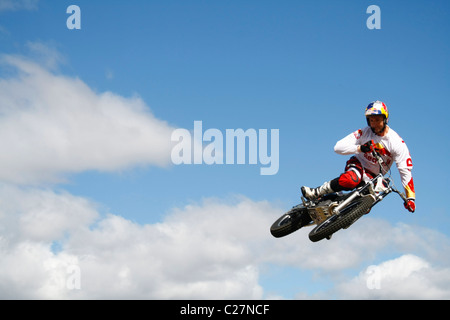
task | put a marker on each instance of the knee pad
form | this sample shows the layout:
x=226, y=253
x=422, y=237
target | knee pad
x=350, y=179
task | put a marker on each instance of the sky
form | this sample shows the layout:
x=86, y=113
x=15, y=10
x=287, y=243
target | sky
x=93, y=206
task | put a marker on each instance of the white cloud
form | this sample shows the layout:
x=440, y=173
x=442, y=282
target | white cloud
x=204, y=251
x=46, y=54
x=201, y=252
x=421, y=272
x=41, y=215
x=406, y=277
x=51, y=125
x=216, y=249
x=15, y=5
x=30, y=221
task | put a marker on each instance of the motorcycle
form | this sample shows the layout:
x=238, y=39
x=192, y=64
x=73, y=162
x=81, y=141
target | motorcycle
x=335, y=211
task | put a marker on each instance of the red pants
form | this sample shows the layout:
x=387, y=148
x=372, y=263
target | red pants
x=352, y=177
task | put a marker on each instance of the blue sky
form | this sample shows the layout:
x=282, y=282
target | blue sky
x=307, y=68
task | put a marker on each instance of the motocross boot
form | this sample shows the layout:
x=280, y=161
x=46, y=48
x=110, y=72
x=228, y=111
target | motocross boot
x=314, y=193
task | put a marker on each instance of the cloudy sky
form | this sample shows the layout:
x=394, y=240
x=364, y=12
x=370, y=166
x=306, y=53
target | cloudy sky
x=93, y=207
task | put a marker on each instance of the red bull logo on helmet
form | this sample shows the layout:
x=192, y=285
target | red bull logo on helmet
x=377, y=107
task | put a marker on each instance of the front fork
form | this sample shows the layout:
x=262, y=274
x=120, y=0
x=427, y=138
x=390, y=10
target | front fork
x=357, y=193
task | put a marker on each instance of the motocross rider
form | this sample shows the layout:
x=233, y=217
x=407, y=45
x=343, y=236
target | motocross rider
x=362, y=166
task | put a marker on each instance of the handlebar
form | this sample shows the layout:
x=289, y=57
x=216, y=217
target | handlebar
x=381, y=162
x=401, y=194
x=379, y=159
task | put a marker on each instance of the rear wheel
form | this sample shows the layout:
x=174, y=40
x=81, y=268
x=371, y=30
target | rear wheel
x=291, y=221
x=348, y=215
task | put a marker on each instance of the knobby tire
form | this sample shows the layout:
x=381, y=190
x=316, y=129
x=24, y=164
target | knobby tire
x=289, y=222
x=327, y=228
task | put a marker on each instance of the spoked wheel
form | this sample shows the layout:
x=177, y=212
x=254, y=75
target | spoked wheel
x=291, y=221
x=348, y=215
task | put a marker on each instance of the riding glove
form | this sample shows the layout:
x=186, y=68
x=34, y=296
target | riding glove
x=410, y=205
x=366, y=147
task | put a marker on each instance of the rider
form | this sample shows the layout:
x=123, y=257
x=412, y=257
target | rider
x=362, y=166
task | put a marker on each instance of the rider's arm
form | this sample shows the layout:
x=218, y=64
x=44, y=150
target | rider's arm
x=404, y=165
x=349, y=144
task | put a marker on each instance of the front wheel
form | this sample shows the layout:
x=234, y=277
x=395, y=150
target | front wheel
x=291, y=221
x=348, y=215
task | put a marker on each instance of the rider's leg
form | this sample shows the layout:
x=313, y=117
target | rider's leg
x=314, y=193
x=350, y=179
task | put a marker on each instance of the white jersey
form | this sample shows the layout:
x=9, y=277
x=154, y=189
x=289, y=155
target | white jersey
x=392, y=149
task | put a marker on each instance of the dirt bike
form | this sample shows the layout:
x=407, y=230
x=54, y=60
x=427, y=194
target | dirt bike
x=335, y=211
